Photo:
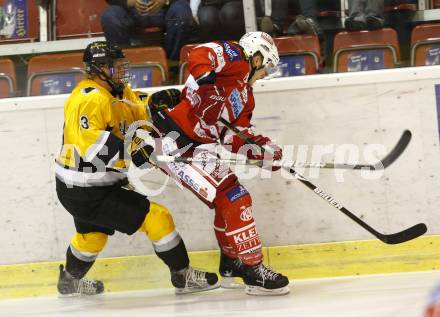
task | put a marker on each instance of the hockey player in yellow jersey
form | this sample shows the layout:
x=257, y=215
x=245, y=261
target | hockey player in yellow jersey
x=90, y=178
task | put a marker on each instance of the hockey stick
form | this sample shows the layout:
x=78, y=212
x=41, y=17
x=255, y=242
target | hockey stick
x=234, y=161
x=381, y=164
x=395, y=238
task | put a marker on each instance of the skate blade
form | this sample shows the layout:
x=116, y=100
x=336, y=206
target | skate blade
x=77, y=295
x=189, y=290
x=261, y=291
x=69, y=295
x=230, y=283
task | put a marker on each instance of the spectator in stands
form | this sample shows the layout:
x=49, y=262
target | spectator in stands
x=122, y=17
x=304, y=23
x=365, y=15
x=219, y=19
x=274, y=15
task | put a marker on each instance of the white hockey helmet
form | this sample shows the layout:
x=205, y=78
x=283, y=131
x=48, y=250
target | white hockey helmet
x=254, y=42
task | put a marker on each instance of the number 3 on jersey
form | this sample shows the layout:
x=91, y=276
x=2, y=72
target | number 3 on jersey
x=84, y=122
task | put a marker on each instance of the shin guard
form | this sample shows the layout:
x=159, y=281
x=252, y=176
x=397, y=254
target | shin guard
x=167, y=242
x=235, y=208
x=83, y=251
x=219, y=230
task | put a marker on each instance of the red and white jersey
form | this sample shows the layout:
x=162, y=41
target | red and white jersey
x=231, y=68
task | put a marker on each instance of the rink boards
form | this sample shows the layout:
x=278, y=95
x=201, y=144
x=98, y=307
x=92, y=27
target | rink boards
x=339, y=113
x=295, y=261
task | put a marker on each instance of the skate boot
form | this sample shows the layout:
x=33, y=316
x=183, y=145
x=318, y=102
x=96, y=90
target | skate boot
x=69, y=285
x=229, y=270
x=190, y=280
x=261, y=280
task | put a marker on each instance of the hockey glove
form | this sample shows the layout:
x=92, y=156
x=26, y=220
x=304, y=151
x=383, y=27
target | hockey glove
x=211, y=101
x=271, y=152
x=167, y=98
x=142, y=153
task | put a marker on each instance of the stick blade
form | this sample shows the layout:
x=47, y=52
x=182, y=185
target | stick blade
x=397, y=150
x=405, y=235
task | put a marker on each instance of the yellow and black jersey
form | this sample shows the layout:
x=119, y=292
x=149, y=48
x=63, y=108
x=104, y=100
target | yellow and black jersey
x=95, y=123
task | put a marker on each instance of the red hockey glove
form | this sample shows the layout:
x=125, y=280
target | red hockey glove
x=272, y=151
x=212, y=101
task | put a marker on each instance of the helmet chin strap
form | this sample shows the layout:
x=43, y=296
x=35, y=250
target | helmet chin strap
x=253, y=68
x=117, y=89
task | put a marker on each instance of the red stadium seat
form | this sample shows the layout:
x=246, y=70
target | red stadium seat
x=183, y=61
x=425, y=45
x=400, y=7
x=25, y=27
x=365, y=50
x=7, y=78
x=54, y=74
x=149, y=66
x=299, y=54
x=80, y=18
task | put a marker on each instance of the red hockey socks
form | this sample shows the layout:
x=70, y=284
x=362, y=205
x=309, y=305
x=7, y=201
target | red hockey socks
x=240, y=237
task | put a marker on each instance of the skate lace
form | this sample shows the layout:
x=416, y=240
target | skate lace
x=195, y=277
x=238, y=264
x=86, y=286
x=266, y=273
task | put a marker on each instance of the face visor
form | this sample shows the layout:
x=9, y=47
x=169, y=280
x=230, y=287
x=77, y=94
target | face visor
x=272, y=71
x=120, y=72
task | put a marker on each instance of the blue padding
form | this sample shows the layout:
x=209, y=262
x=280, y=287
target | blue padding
x=433, y=56
x=366, y=60
x=292, y=65
x=141, y=77
x=58, y=84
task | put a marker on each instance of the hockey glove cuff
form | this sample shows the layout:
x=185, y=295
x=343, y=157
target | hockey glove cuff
x=142, y=156
x=271, y=153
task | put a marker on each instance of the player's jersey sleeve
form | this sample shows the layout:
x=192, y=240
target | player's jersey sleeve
x=206, y=58
x=139, y=104
x=238, y=111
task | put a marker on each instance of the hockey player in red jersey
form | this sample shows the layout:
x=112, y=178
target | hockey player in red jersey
x=220, y=85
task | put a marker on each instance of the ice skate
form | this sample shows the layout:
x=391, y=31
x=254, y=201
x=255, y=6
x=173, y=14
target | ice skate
x=229, y=270
x=261, y=280
x=69, y=285
x=190, y=280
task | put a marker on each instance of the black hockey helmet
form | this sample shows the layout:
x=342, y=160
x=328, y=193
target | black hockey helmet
x=102, y=53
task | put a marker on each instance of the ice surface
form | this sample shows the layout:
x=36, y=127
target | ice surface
x=392, y=295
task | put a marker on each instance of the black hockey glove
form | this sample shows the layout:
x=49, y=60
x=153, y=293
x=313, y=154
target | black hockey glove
x=142, y=154
x=167, y=98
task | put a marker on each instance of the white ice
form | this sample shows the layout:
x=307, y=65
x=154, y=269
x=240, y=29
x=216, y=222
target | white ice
x=391, y=295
